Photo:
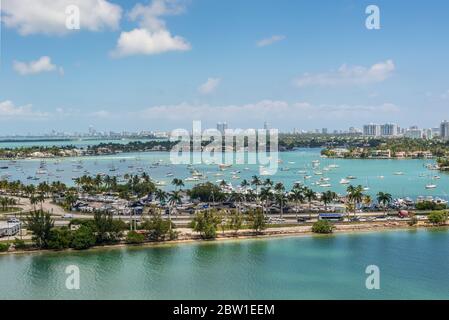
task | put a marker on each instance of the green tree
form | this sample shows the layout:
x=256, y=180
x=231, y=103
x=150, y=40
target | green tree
x=257, y=220
x=60, y=238
x=40, y=224
x=235, y=221
x=327, y=197
x=157, y=227
x=384, y=199
x=83, y=238
x=206, y=223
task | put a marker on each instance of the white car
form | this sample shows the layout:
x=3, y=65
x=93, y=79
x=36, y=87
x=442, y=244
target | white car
x=68, y=216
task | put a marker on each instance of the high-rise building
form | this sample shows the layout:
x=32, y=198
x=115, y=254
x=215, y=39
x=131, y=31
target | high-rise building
x=389, y=130
x=324, y=131
x=444, y=130
x=266, y=126
x=222, y=126
x=414, y=133
x=372, y=130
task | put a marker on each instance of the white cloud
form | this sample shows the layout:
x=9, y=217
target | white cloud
x=152, y=36
x=40, y=65
x=49, y=16
x=144, y=42
x=273, y=110
x=271, y=40
x=349, y=75
x=209, y=86
x=9, y=111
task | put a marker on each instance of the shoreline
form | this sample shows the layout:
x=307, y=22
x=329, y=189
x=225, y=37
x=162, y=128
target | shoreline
x=282, y=232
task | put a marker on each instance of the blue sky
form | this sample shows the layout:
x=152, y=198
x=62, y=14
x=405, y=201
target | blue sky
x=164, y=63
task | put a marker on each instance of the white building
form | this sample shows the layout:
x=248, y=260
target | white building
x=372, y=130
x=389, y=130
x=8, y=229
x=414, y=133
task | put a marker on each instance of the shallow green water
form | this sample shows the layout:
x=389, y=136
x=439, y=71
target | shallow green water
x=413, y=264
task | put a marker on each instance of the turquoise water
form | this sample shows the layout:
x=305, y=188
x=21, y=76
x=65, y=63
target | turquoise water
x=413, y=265
x=378, y=175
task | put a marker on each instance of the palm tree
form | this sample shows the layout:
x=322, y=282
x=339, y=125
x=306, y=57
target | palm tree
x=178, y=183
x=237, y=198
x=385, y=199
x=310, y=195
x=256, y=182
x=355, y=195
x=161, y=196
x=280, y=196
x=244, y=184
x=174, y=199
x=327, y=197
x=266, y=195
x=297, y=196
x=268, y=183
x=34, y=201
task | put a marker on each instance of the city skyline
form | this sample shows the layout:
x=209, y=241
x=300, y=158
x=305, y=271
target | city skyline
x=177, y=72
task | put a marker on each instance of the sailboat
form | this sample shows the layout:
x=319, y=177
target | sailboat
x=431, y=185
x=366, y=187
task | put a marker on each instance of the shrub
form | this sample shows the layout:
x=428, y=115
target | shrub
x=4, y=247
x=60, y=238
x=83, y=238
x=19, y=244
x=322, y=226
x=134, y=238
x=437, y=217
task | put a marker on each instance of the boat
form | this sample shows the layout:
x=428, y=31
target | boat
x=399, y=173
x=431, y=186
x=4, y=168
x=351, y=177
x=344, y=181
x=325, y=185
x=224, y=166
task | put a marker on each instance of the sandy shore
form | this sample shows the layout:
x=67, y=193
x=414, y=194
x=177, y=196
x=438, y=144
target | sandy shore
x=189, y=236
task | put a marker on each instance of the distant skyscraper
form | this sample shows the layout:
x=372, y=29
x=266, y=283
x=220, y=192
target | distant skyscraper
x=266, y=126
x=372, y=130
x=389, y=130
x=222, y=126
x=414, y=132
x=444, y=130
x=324, y=131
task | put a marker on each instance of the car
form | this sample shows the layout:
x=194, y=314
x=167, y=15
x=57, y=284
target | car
x=13, y=220
x=68, y=216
